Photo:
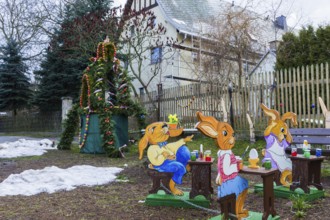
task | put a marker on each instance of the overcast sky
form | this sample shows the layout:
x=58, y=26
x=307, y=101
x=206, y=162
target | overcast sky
x=298, y=12
x=315, y=12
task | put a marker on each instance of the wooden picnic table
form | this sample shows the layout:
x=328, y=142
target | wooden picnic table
x=268, y=177
x=306, y=172
x=201, y=178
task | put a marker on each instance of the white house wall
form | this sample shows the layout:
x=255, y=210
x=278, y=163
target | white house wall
x=179, y=62
x=175, y=63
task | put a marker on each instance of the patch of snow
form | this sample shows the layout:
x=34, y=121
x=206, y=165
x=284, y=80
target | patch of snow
x=53, y=179
x=179, y=21
x=23, y=147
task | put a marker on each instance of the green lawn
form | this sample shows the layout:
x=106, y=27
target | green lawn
x=238, y=149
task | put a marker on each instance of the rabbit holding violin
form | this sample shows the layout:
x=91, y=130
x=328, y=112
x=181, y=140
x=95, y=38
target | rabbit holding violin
x=228, y=180
x=278, y=138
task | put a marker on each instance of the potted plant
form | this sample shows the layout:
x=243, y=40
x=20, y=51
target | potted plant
x=173, y=121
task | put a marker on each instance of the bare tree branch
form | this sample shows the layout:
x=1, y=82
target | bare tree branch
x=139, y=37
x=24, y=21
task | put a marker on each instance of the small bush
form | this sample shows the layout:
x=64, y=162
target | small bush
x=299, y=205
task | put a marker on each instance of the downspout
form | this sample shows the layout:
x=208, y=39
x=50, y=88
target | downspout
x=184, y=38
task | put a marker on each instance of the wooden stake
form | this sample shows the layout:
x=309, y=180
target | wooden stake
x=325, y=112
x=252, y=135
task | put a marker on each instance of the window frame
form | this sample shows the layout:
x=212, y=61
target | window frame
x=156, y=55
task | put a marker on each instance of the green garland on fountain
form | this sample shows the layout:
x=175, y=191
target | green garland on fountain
x=104, y=75
x=71, y=123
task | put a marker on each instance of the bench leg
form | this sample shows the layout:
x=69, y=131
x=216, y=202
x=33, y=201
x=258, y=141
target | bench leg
x=228, y=206
x=155, y=185
x=160, y=181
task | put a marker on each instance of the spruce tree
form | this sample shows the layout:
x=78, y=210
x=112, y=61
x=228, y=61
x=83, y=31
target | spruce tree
x=308, y=47
x=83, y=26
x=54, y=82
x=15, y=90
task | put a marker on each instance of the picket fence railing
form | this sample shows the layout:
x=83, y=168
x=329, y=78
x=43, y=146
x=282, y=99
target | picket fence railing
x=296, y=90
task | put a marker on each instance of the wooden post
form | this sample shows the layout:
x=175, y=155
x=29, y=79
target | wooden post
x=66, y=107
x=326, y=113
x=225, y=114
x=252, y=135
x=159, y=96
x=230, y=91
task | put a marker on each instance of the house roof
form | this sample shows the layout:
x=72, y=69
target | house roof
x=193, y=17
x=190, y=16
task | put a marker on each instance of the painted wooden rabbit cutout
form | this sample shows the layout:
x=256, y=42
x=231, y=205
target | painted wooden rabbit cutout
x=278, y=137
x=166, y=157
x=228, y=180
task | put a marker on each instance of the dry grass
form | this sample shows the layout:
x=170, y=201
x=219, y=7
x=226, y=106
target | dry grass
x=117, y=200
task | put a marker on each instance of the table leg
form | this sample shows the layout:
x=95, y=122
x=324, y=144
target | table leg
x=210, y=184
x=304, y=175
x=269, y=208
x=201, y=181
x=194, y=182
x=314, y=177
x=300, y=175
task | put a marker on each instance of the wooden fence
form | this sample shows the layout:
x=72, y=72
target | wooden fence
x=295, y=90
x=29, y=122
x=298, y=91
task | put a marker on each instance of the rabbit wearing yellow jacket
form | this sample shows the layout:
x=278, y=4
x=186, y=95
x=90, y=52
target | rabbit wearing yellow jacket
x=164, y=156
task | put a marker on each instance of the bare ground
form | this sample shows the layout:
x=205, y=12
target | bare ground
x=120, y=200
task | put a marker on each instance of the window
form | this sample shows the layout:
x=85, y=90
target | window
x=154, y=23
x=141, y=91
x=194, y=56
x=132, y=31
x=245, y=67
x=156, y=55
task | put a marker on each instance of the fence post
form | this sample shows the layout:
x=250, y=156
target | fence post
x=159, y=94
x=230, y=91
x=225, y=115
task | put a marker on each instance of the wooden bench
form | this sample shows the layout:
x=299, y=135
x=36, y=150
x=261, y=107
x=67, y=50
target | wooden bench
x=228, y=206
x=157, y=179
x=314, y=136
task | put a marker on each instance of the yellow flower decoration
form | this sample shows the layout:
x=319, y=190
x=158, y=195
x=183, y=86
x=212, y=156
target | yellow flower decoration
x=173, y=119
